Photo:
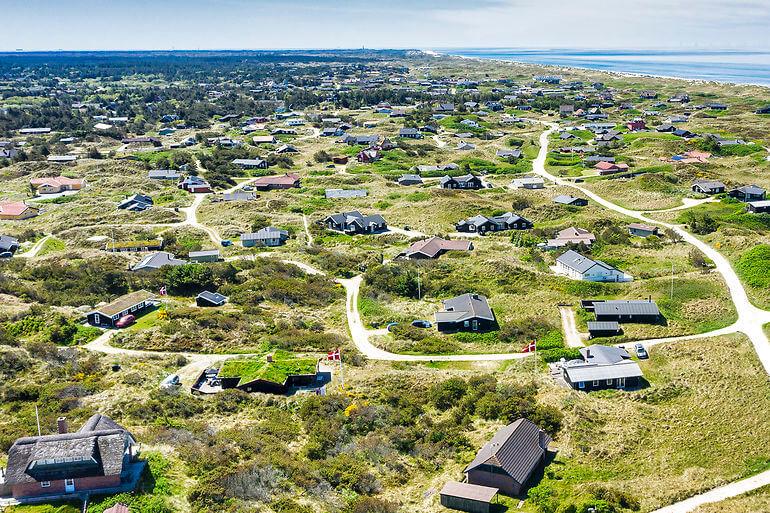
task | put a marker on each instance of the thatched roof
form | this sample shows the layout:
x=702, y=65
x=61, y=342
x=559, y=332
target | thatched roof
x=96, y=449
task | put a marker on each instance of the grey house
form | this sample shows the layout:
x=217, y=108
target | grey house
x=206, y=255
x=625, y=310
x=748, y=193
x=136, y=203
x=708, y=186
x=268, y=236
x=482, y=224
x=410, y=179
x=461, y=182
x=508, y=460
x=468, y=312
x=602, y=367
x=8, y=244
x=564, y=199
x=355, y=222
x=156, y=261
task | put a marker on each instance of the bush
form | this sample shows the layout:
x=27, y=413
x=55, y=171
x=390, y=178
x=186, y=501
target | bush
x=446, y=394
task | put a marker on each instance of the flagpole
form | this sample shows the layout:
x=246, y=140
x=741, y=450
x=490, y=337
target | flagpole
x=342, y=376
x=37, y=417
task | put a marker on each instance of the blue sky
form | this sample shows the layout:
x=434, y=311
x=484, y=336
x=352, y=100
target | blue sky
x=257, y=24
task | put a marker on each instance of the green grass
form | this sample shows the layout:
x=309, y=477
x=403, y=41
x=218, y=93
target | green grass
x=283, y=365
x=754, y=266
x=52, y=245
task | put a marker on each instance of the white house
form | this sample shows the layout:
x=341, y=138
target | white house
x=579, y=267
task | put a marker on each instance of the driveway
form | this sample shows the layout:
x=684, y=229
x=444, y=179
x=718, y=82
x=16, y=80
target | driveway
x=571, y=335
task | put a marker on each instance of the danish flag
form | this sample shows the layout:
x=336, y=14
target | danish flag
x=532, y=346
x=334, y=355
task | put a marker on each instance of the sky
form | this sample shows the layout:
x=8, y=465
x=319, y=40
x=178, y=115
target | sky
x=424, y=24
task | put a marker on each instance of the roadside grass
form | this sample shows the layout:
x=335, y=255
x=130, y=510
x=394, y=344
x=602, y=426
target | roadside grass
x=650, y=443
x=52, y=245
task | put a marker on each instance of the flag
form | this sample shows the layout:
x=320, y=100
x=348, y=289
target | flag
x=532, y=346
x=162, y=291
x=334, y=355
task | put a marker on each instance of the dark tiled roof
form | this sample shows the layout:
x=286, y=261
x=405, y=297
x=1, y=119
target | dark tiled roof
x=517, y=448
x=626, y=307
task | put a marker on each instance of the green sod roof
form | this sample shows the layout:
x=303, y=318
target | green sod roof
x=283, y=365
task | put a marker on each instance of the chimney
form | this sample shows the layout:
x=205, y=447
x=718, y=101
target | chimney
x=270, y=358
x=61, y=424
x=588, y=354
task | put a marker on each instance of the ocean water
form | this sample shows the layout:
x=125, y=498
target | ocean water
x=740, y=67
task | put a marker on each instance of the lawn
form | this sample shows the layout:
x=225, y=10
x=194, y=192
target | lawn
x=649, y=444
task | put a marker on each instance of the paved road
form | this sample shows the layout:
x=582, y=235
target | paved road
x=719, y=494
x=750, y=321
x=361, y=335
x=750, y=318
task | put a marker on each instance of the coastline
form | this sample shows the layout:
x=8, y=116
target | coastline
x=617, y=74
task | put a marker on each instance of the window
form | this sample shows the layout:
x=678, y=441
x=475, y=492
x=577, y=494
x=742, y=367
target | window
x=581, y=384
x=609, y=382
x=596, y=382
x=45, y=484
x=466, y=324
x=97, y=319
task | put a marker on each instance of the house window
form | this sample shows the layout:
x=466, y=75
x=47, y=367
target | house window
x=596, y=382
x=581, y=384
x=609, y=382
x=45, y=484
x=466, y=324
x=97, y=319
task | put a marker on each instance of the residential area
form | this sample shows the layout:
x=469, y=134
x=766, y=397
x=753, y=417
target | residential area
x=377, y=281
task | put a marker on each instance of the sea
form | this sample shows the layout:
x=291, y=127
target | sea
x=730, y=66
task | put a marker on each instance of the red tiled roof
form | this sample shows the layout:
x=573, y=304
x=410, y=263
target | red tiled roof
x=286, y=179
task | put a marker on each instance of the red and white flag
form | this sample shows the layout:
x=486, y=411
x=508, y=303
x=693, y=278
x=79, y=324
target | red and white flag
x=334, y=355
x=532, y=346
x=162, y=291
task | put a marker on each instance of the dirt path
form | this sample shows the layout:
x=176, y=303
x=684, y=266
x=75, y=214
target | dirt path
x=719, y=494
x=571, y=335
x=307, y=230
x=35, y=249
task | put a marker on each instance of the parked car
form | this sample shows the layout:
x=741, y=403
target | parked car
x=641, y=352
x=226, y=243
x=6, y=254
x=125, y=321
x=248, y=188
x=422, y=324
x=391, y=325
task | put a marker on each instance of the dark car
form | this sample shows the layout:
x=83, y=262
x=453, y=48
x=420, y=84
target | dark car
x=391, y=325
x=422, y=324
x=225, y=243
x=6, y=254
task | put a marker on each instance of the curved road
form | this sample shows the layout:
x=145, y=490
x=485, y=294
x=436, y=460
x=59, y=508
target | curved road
x=750, y=318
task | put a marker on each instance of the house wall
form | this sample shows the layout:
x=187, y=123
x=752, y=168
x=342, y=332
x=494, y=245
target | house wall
x=462, y=504
x=603, y=384
x=483, y=325
x=505, y=483
x=24, y=490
